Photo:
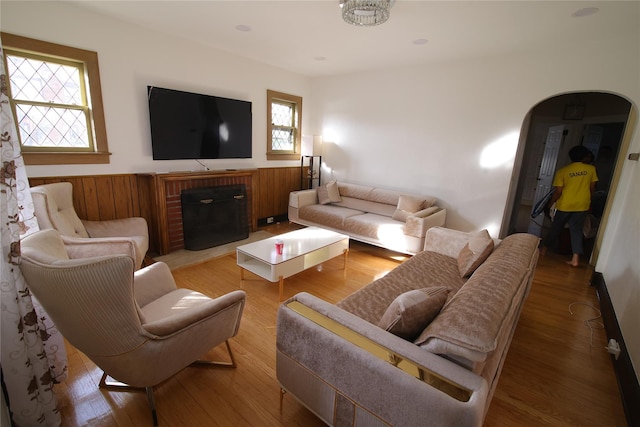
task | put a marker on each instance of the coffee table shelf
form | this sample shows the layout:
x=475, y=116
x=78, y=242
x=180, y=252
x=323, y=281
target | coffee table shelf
x=302, y=250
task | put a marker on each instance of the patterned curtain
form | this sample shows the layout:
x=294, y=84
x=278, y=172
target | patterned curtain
x=32, y=350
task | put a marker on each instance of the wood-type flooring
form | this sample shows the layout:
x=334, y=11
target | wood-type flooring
x=557, y=372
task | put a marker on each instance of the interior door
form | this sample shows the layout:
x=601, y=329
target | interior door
x=548, y=163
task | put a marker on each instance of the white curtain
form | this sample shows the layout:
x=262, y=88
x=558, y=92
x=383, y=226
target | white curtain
x=32, y=350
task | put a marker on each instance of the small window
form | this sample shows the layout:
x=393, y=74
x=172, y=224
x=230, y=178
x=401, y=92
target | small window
x=284, y=115
x=55, y=95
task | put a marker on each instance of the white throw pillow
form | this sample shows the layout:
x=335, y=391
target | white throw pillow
x=329, y=193
x=407, y=205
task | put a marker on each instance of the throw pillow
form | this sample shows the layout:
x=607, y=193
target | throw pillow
x=407, y=205
x=412, y=311
x=426, y=212
x=474, y=253
x=328, y=193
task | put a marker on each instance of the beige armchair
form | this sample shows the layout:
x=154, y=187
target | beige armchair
x=53, y=205
x=138, y=327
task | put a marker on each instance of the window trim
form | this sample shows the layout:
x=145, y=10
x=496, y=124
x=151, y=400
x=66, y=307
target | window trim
x=291, y=99
x=101, y=154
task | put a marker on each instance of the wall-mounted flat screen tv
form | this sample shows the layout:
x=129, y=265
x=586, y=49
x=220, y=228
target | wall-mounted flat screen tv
x=187, y=125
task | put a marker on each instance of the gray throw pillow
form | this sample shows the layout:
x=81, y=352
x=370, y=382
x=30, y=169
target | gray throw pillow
x=412, y=311
x=474, y=253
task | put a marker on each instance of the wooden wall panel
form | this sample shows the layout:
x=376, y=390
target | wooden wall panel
x=275, y=184
x=100, y=197
x=105, y=197
x=147, y=209
x=90, y=195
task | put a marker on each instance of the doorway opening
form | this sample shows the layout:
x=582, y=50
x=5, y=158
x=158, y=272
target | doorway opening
x=594, y=119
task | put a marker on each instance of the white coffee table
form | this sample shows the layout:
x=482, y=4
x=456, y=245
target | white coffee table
x=303, y=249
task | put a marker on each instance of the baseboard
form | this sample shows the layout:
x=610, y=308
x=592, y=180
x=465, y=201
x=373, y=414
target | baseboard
x=626, y=375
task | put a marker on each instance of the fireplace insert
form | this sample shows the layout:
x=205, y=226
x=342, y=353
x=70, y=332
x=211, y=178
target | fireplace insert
x=213, y=216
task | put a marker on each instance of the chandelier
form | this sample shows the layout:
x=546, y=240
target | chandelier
x=365, y=13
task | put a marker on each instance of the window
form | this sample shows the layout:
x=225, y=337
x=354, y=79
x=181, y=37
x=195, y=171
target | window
x=284, y=115
x=57, y=102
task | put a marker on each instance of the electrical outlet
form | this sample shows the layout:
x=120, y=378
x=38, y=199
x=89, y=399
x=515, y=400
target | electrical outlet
x=270, y=220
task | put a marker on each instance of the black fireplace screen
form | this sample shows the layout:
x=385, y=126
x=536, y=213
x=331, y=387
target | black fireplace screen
x=214, y=216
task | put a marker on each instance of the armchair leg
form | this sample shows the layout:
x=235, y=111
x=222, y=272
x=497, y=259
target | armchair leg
x=282, y=393
x=120, y=386
x=231, y=364
x=152, y=403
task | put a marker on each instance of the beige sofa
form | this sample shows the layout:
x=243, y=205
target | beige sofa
x=341, y=364
x=387, y=218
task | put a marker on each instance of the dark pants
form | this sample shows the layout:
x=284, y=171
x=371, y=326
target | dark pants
x=576, y=225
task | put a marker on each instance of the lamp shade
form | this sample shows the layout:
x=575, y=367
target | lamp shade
x=311, y=145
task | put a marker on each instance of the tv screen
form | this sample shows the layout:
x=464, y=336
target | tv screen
x=188, y=125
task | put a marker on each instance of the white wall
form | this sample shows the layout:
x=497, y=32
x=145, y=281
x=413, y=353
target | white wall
x=424, y=128
x=620, y=256
x=131, y=58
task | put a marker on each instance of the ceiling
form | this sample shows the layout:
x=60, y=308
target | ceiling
x=310, y=37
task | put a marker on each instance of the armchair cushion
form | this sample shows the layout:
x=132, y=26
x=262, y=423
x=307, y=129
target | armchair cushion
x=152, y=282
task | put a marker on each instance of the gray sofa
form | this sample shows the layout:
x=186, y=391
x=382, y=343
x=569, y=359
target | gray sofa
x=382, y=217
x=341, y=364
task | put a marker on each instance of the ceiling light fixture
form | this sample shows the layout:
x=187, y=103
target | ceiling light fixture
x=366, y=13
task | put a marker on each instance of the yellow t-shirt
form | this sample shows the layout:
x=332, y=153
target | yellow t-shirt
x=575, y=180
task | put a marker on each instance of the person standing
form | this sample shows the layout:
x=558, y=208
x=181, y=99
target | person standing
x=574, y=184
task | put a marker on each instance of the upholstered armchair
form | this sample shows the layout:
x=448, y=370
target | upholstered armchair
x=136, y=326
x=53, y=205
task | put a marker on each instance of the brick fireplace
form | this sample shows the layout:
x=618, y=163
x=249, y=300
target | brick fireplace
x=167, y=190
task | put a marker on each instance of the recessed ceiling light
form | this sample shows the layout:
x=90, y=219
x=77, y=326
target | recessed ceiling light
x=243, y=28
x=586, y=11
x=420, y=41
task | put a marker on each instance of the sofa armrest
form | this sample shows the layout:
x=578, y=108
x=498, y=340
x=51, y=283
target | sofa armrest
x=378, y=380
x=446, y=241
x=298, y=199
x=417, y=226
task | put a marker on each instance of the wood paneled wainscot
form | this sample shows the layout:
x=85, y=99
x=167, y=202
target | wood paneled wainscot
x=159, y=195
x=100, y=197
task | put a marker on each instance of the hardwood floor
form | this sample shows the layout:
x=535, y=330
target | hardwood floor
x=557, y=372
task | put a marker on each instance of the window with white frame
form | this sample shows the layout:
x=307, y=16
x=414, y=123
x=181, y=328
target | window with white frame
x=284, y=116
x=56, y=97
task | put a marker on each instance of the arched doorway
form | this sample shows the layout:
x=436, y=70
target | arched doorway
x=595, y=119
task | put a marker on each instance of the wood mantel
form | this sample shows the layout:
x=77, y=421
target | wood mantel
x=160, y=200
